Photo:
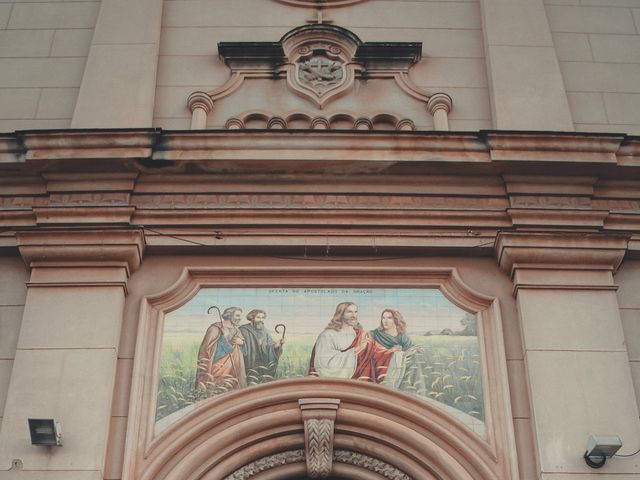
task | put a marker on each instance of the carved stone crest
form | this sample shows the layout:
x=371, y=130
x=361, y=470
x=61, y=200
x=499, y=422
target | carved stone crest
x=321, y=63
x=320, y=71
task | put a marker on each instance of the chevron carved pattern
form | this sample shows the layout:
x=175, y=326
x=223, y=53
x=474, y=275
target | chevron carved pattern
x=319, y=447
x=319, y=416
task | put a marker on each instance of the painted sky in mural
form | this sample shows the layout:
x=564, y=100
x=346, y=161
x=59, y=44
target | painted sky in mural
x=413, y=340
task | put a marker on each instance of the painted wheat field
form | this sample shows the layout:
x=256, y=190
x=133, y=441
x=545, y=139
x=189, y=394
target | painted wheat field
x=445, y=368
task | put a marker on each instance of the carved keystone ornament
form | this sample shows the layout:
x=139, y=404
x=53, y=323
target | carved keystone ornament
x=319, y=415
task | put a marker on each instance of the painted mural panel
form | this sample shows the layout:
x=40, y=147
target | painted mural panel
x=412, y=340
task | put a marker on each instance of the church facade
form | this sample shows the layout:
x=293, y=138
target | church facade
x=289, y=239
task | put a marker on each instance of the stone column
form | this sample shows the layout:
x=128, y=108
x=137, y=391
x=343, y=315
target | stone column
x=439, y=106
x=66, y=354
x=119, y=82
x=525, y=82
x=575, y=354
x=200, y=105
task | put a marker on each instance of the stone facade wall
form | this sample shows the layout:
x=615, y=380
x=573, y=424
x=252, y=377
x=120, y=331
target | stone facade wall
x=451, y=34
x=43, y=51
x=598, y=45
x=13, y=292
x=629, y=299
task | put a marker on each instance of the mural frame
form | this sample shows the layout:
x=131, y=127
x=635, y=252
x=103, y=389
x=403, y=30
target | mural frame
x=171, y=452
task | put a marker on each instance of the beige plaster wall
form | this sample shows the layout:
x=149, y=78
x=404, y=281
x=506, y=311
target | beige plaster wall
x=13, y=293
x=628, y=278
x=43, y=51
x=160, y=272
x=598, y=46
x=451, y=33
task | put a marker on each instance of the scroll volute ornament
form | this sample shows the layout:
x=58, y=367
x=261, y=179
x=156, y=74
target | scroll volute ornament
x=319, y=415
x=320, y=62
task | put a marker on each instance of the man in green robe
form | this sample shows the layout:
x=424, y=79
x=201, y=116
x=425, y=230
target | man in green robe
x=261, y=352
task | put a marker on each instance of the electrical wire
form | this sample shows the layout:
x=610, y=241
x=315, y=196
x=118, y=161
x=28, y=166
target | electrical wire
x=218, y=235
x=628, y=455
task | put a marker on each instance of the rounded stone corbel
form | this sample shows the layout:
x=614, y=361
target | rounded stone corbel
x=363, y=124
x=439, y=106
x=320, y=123
x=276, y=123
x=405, y=124
x=234, y=124
x=199, y=104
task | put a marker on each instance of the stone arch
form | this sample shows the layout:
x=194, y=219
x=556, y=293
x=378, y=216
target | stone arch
x=219, y=436
x=226, y=434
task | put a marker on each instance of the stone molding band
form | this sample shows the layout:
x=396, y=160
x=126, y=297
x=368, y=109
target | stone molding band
x=346, y=457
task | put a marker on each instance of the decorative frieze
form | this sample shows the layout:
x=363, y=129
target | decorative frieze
x=338, y=121
x=267, y=463
x=369, y=463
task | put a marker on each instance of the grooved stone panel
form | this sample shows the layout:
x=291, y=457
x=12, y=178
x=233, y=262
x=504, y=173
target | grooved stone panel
x=71, y=43
x=601, y=77
x=57, y=102
x=5, y=376
x=13, y=281
x=631, y=327
x=5, y=10
x=141, y=23
x=516, y=22
x=615, y=48
x=101, y=103
x=10, y=321
x=25, y=43
x=622, y=108
x=590, y=19
x=54, y=15
x=587, y=107
x=41, y=72
x=19, y=103
x=572, y=47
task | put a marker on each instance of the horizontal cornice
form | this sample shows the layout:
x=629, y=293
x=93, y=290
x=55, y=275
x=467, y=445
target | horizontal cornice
x=372, y=192
x=312, y=151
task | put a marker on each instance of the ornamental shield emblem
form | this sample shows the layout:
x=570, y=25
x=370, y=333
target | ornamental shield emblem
x=321, y=62
x=320, y=72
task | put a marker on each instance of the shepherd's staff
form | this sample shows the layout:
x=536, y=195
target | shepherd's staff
x=284, y=329
x=222, y=334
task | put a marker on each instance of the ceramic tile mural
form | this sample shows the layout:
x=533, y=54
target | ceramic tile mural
x=413, y=340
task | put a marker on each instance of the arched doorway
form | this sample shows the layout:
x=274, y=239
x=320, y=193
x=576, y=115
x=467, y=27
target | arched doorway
x=362, y=430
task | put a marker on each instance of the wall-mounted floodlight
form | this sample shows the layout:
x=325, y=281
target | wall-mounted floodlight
x=45, y=431
x=601, y=447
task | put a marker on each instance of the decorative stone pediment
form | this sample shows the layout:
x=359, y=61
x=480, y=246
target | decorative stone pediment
x=320, y=63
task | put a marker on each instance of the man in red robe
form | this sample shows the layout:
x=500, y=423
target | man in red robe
x=346, y=350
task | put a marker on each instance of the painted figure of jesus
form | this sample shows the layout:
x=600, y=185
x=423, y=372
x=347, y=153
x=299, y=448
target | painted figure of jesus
x=346, y=350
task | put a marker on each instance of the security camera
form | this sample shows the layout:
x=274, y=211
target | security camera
x=601, y=447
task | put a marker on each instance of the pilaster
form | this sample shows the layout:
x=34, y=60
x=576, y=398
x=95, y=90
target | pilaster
x=575, y=355
x=525, y=82
x=66, y=353
x=119, y=82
